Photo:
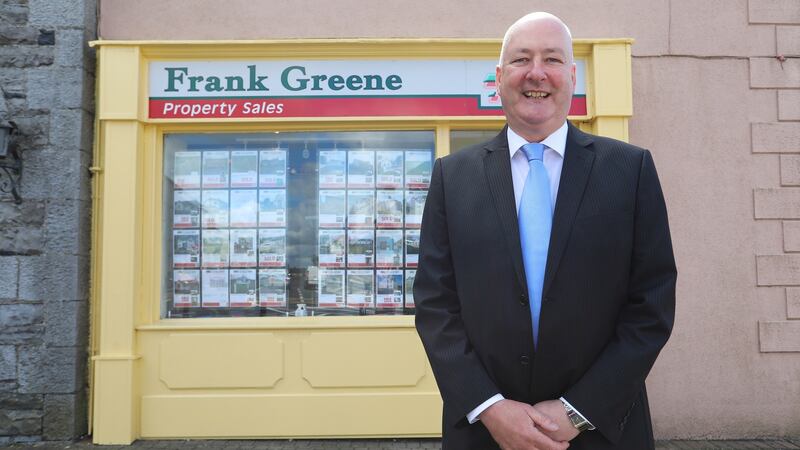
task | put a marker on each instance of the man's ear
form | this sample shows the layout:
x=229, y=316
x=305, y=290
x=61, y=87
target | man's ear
x=574, y=79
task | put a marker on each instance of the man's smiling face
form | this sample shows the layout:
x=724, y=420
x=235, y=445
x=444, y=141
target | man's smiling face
x=536, y=77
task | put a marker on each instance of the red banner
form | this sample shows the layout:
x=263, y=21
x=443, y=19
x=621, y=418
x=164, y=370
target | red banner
x=221, y=108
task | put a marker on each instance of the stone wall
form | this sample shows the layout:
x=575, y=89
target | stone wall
x=47, y=82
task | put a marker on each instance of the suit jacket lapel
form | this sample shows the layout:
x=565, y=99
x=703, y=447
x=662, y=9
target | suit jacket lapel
x=578, y=160
x=497, y=164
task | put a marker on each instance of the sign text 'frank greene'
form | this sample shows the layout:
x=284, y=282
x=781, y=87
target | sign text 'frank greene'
x=292, y=78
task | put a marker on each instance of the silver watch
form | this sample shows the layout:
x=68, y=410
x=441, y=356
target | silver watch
x=578, y=421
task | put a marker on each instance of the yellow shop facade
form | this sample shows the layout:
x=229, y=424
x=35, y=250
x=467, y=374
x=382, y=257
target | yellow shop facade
x=256, y=222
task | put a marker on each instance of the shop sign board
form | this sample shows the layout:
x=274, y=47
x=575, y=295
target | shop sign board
x=327, y=88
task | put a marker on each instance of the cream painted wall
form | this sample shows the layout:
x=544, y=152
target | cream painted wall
x=693, y=107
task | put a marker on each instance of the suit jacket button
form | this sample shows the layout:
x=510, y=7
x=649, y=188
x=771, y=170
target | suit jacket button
x=524, y=360
x=523, y=300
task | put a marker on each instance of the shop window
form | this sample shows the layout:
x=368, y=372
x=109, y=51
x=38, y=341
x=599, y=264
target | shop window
x=293, y=224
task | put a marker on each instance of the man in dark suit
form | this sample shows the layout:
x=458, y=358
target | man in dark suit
x=546, y=280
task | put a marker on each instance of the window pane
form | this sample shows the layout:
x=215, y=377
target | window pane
x=291, y=224
x=464, y=138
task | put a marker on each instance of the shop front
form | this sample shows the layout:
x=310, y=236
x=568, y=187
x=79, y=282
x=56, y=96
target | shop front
x=256, y=227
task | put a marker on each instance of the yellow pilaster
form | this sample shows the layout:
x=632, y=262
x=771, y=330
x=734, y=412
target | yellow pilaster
x=612, y=89
x=117, y=257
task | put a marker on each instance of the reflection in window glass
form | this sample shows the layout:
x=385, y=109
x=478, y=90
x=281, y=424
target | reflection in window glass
x=292, y=224
x=464, y=138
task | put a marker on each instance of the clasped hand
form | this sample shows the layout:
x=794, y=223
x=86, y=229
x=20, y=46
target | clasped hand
x=520, y=426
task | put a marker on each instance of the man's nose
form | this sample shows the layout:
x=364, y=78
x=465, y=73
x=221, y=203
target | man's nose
x=536, y=71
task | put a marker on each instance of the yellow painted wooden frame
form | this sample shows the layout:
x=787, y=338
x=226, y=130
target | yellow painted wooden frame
x=154, y=378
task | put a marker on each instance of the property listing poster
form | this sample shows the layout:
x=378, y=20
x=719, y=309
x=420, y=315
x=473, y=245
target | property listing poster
x=389, y=288
x=272, y=287
x=361, y=169
x=331, y=288
x=360, y=209
x=360, y=288
x=272, y=208
x=409, y=299
x=332, y=211
x=389, y=209
x=272, y=247
x=332, y=169
x=331, y=248
x=186, y=248
x=272, y=168
x=388, y=248
x=412, y=248
x=215, y=169
x=215, y=248
x=187, y=170
x=418, y=169
x=243, y=248
x=186, y=209
x=360, y=248
x=244, y=208
x=415, y=204
x=389, y=169
x=215, y=209
x=244, y=169
x=243, y=288
x=215, y=288
x=186, y=291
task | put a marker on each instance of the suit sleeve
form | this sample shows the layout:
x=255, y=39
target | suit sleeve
x=462, y=379
x=607, y=391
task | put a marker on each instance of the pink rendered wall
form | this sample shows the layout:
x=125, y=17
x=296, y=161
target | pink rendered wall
x=707, y=90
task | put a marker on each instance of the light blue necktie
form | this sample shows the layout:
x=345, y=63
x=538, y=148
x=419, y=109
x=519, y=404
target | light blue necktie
x=535, y=221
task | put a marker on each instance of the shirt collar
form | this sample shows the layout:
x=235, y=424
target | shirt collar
x=556, y=141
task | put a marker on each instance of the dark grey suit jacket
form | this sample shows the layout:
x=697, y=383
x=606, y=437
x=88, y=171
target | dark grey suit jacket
x=609, y=290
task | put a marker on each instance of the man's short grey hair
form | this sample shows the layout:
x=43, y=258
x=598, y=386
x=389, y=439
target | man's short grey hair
x=527, y=18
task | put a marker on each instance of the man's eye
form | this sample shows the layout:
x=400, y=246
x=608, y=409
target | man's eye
x=519, y=61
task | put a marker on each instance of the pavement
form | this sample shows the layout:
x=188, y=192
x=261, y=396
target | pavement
x=373, y=444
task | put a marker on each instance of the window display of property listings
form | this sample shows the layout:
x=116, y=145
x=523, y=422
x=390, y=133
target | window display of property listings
x=293, y=224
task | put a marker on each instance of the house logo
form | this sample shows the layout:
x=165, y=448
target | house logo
x=490, y=84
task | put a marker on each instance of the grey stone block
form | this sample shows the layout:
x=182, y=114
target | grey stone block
x=9, y=275
x=41, y=88
x=23, y=56
x=72, y=87
x=64, y=13
x=33, y=135
x=21, y=229
x=20, y=315
x=8, y=365
x=54, y=277
x=21, y=401
x=14, y=13
x=27, y=214
x=51, y=370
x=66, y=324
x=72, y=49
x=46, y=37
x=21, y=241
x=66, y=226
x=64, y=416
x=13, y=83
x=71, y=129
x=18, y=35
x=20, y=422
x=23, y=335
x=8, y=386
x=55, y=174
